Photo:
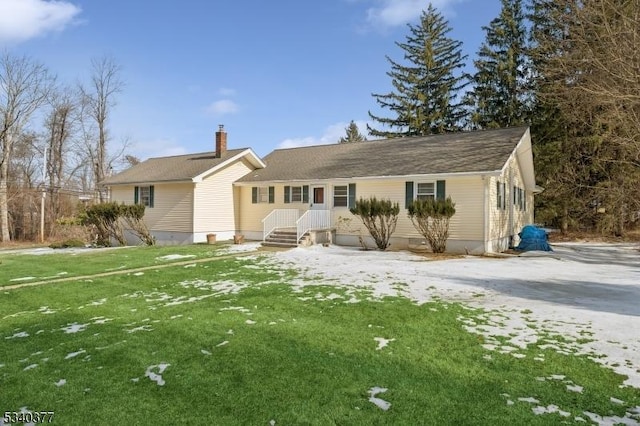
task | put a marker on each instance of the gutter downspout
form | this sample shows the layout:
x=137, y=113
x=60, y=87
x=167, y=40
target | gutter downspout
x=511, y=205
x=486, y=234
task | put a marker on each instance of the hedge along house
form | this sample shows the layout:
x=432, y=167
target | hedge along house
x=489, y=175
x=187, y=196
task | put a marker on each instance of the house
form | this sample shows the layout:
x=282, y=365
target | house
x=187, y=196
x=306, y=192
x=489, y=175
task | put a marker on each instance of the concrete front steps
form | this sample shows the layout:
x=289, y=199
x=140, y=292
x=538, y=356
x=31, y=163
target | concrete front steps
x=281, y=238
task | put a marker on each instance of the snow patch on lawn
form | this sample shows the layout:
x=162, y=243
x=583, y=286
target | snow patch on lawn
x=550, y=409
x=18, y=335
x=156, y=377
x=145, y=327
x=176, y=256
x=75, y=354
x=611, y=420
x=575, y=388
x=239, y=248
x=584, y=294
x=74, y=328
x=380, y=403
x=382, y=342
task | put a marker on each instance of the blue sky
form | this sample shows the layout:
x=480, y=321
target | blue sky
x=275, y=73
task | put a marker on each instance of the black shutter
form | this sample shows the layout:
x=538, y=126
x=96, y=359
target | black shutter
x=305, y=193
x=352, y=196
x=271, y=195
x=135, y=195
x=151, y=196
x=254, y=195
x=440, y=190
x=287, y=194
x=408, y=194
x=504, y=196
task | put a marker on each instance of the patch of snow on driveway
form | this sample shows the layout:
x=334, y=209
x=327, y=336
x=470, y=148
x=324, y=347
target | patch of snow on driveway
x=586, y=293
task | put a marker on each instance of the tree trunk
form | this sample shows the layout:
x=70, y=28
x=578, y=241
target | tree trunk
x=4, y=210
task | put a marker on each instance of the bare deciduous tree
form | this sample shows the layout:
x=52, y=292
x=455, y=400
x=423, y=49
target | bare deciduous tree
x=59, y=128
x=24, y=86
x=98, y=100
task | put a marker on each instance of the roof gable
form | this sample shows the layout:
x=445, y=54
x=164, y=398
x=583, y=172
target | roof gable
x=484, y=151
x=181, y=168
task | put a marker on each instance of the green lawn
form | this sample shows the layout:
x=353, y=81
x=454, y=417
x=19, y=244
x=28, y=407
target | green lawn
x=20, y=268
x=227, y=341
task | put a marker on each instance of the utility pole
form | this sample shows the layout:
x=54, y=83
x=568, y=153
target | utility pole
x=44, y=194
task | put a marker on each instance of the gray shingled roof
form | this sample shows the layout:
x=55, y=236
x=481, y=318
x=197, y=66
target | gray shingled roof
x=168, y=169
x=464, y=152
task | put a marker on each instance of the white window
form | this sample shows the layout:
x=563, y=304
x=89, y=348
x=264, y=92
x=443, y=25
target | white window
x=296, y=194
x=143, y=195
x=341, y=196
x=425, y=190
x=263, y=194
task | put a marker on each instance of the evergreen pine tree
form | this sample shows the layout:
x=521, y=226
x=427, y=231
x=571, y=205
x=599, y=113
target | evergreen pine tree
x=352, y=134
x=426, y=89
x=500, y=94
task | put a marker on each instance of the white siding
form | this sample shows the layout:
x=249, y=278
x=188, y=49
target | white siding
x=466, y=192
x=508, y=222
x=172, y=206
x=215, y=209
x=251, y=215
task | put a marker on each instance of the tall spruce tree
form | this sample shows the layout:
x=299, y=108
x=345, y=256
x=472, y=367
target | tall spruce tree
x=426, y=89
x=500, y=94
x=556, y=143
x=352, y=134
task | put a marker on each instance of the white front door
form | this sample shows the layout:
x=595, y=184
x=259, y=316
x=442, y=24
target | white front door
x=318, y=197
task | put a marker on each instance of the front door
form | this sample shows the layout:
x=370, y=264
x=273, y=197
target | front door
x=318, y=198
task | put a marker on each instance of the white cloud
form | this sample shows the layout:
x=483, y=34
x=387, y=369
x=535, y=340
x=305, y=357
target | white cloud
x=331, y=134
x=22, y=20
x=221, y=107
x=391, y=13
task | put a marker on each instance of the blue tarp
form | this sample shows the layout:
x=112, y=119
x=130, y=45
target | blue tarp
x=533, y=238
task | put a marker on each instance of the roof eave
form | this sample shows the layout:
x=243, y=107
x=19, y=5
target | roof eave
x=147, y=182
x=388, y=177
x=251, y=157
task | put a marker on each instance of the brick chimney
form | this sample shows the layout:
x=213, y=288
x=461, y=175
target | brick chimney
x=221, y=141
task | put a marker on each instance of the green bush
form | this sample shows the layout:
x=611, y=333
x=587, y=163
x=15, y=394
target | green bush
x=379, y=217
x=431, y=218
x=108, y=218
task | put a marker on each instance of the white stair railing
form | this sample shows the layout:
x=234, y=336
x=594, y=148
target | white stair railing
x=313, y=219
x=279, y=218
